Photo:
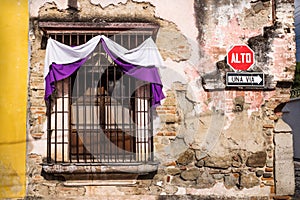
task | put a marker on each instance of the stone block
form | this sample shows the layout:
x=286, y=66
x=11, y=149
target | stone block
x=205, y=180
x=186, y=157
x=249, y=180
x=218, y=162
x=282, y=127
x=284, y=165
x=178, y=181
x=169, y=189
x=190, y=174
x=231, y=180
x=267, y=175
x=218, y=176
x=257, y=159
x=259, y=173
x=200, y=163
x=172, y=171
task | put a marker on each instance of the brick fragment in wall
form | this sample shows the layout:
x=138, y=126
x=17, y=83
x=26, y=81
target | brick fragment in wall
x=268, y=181
x=37, y=102
x=168, y=118
x=38, y=93
x=38, y=110
x=166, y=133
x=36, y=83
x=170, y=99
x=36, y=69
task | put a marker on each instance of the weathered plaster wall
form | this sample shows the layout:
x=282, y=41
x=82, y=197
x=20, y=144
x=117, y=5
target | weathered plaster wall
x=209, y=140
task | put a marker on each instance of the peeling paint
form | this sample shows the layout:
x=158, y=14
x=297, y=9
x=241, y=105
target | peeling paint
x=105, y=3
x=34, y=5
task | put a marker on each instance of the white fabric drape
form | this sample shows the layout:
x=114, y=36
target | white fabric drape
x=145, y=55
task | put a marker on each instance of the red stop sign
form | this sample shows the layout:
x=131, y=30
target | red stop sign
x=240, y=57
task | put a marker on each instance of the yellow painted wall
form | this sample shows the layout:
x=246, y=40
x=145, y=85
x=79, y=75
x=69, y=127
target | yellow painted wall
x=13, y=96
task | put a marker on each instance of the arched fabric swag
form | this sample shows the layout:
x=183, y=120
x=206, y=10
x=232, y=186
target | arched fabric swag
x=142, y=62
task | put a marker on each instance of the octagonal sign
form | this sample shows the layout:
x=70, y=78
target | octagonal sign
x=240, y=57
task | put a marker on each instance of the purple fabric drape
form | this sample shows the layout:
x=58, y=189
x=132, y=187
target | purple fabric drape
x=149, y=74
x=58, y=72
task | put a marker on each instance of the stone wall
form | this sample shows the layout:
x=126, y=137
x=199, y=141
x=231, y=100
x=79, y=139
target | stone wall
x=209, y=140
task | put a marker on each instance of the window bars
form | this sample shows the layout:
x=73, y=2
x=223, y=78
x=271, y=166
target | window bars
x=99, y=114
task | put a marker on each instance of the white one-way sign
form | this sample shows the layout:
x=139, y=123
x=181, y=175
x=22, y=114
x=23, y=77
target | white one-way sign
x=249, y=79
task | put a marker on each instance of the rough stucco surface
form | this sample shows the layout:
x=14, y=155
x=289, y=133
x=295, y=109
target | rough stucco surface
x=208, y=141
x=34, y=5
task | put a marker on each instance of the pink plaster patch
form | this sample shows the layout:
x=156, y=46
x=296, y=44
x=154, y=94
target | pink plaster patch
x=192, y=73
x=218, y=44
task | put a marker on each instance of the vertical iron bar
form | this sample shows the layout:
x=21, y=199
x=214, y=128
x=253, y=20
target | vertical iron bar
x=115, y=116
x=108, y=108
x=55, y=125
x=70, y=117
x=131, y=118
x=137, y=129
x=84, y=115
x=77, y=115
x=151, y=122
x=90, y=122
x=70, y=113
x=63, y=120
x=92, y=102
x=145, y=121
x=124, y=130
x=49, y=131
x=101, y=109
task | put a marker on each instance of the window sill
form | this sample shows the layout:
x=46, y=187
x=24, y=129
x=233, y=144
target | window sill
x=86, y=168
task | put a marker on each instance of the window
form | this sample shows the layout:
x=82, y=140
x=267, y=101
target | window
x=99, y=114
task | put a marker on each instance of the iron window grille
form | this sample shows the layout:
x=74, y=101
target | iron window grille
x=99, y=114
